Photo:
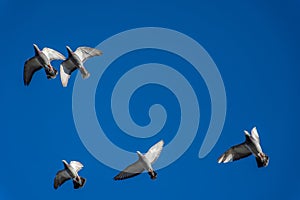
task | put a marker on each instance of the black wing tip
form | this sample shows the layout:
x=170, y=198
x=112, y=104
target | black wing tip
x=121, y=176
x=55, y=187
x=56, y=184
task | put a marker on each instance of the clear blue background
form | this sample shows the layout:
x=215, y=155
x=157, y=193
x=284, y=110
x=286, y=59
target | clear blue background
x=255, y=45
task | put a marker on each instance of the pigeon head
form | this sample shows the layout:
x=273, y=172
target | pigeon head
x=247, y=133
x=36, y=49
x=69, y=50
x=64, y=161
x=139, y=154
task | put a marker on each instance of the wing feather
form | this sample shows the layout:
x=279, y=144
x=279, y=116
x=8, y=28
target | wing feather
x=87, y=52
x=76, y=165
x=255, y=135
x=30, y=67
x=130, y=171
x=66, y=69
x=235, y=153
x=61, y=177
x=154, y=152
x=52, y=54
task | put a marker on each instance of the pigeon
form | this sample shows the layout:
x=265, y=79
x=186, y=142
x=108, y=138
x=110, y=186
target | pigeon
x=70, y=172
x=41, y=60
x=143, y=163
x=245, y=149
x=75, y=61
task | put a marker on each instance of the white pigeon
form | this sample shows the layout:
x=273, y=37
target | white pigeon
x=245, y=149
x=75, y=61
x=143, y=163
x=41, y=60
x=70, y=171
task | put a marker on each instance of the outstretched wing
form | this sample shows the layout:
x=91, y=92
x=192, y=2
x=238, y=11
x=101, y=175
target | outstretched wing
x=61, y=177
x=87, y=52
x=130, y=171
x=76, y=165
x=234, y=153
x=255, y=135
x=66, y=69
x=154, y=152
x=52, y=54
x=30, y=67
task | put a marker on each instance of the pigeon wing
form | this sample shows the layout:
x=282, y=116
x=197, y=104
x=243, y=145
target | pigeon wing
x=52, y=54
x=255, y=135
x=76, y=165
x=235, y=153
x=30, y=67
x=154, y=152
x=130, y=171
x=66, y=69
x=61, y=177
x=87, y=52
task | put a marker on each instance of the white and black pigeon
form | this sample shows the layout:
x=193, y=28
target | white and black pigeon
x=41, y=60
x=143, y=163
x=70, y=171
x=250, y=146
x=75, y=61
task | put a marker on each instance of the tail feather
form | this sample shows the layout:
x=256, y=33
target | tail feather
x=84, y=73
x=262, y=162
x=78, y=182
x=51, y=74
x=153, y=175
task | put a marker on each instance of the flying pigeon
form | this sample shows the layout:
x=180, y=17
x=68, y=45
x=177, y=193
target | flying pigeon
x=75, y=61
x=250, y=146
x=41, y=60
x=143, y=163
x=69, y=172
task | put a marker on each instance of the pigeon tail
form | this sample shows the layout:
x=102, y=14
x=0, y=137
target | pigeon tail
x=262, y=161
x=84, y=73
x=51, y=74
x=78, y=182
x=153, y=175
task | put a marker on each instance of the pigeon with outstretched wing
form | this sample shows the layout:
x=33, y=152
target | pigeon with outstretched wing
x=41, y=60
x=245, y=149
x=75, y=61
x=70, y=171
x=144, y=162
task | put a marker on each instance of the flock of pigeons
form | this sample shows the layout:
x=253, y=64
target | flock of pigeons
x=42, y=59
x=75, y=61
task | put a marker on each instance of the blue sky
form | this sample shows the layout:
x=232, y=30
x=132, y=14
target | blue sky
x=255, y=46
